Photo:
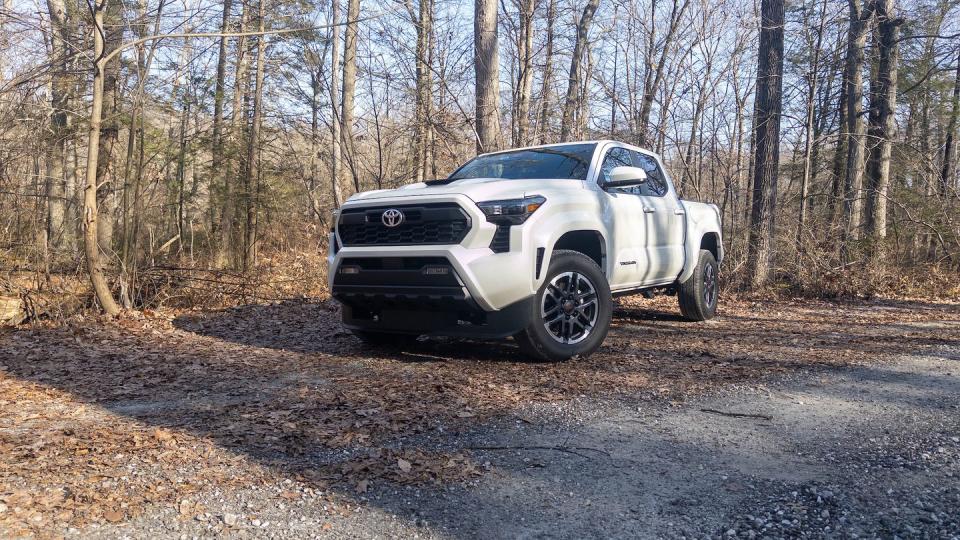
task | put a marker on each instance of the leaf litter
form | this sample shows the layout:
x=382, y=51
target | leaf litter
x=101, y=420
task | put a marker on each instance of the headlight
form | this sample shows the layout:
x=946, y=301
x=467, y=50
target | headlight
x=513, y=211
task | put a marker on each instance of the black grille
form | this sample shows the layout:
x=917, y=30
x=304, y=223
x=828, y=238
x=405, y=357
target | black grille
x=439, y=223
x=501, y=239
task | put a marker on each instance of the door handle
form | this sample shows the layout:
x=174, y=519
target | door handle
x=679, y=211
x=649, y=209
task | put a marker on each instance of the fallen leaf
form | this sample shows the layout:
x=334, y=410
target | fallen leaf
x=112, y=516
x=404, y=465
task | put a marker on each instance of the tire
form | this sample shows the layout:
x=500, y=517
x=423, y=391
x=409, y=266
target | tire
x=698, y=295
x=385, y=339
x=574, y=292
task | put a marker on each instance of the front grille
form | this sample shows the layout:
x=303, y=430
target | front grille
x=373, y=283
x=436, y=223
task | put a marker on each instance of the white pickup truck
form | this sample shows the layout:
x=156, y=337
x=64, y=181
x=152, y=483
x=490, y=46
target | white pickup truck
x=532, y=243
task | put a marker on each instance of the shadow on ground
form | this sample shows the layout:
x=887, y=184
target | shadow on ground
x=286, y=386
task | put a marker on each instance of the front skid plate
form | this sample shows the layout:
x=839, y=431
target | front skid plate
x=496, y=324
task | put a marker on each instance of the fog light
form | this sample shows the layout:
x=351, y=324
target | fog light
x=349, y=269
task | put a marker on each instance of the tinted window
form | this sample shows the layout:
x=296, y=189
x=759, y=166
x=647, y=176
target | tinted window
x=656, y=184
x=554, y=162
x=619, y=157
x=616, y=157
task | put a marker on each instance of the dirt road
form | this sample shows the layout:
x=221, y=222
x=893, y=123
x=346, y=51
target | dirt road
x=779, y=419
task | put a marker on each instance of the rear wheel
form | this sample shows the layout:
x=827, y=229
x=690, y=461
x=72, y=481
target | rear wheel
x=571, y=311
x=698, y=294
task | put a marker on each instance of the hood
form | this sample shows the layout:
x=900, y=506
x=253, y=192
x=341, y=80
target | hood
x=477, y=189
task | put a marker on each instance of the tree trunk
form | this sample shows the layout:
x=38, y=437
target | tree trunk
x=883, y=104
x=253, y=147
x=487, y=71
x=947, y=171
x=90, y=247
x=767, y=107
x=232, y=146
x=110, y=128
x=853, y=177
x=61, y=38
x=568, y=120
x=521, y=113
x=349, y=89
x=219, y=181
x=335, y=150
x=809, y=128
x=424, y=98
x=547, y=73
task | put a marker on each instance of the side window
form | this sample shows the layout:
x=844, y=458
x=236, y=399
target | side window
x=617, y=157
x=656, y=184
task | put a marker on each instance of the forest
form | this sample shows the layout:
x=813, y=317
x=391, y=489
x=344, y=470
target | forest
x=191, y=152
x=173, y=365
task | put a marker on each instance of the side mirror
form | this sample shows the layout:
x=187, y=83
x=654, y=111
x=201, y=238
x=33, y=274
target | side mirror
x=625, y=177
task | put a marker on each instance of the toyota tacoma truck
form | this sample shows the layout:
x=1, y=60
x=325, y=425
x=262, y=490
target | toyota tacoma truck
x=532, y=243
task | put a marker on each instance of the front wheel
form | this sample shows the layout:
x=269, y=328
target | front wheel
x=571, y=310
x=698, y=294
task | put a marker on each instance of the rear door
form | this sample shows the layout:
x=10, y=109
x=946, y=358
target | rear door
x=664, y=219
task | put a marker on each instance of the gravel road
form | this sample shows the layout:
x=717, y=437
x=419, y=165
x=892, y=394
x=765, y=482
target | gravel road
x=786, y=419
x=864, y=453
x=854, y=453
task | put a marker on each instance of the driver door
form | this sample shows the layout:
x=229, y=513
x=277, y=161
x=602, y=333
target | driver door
x=628, y=225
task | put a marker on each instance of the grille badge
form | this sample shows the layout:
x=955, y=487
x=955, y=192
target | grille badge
x=392, y=217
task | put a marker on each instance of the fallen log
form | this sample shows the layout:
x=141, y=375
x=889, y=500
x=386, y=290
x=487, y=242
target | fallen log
x=12, y=311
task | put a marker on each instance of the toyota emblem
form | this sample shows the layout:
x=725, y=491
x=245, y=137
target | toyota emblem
x=392, y=217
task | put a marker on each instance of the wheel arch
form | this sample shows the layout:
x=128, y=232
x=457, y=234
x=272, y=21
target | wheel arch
x=711, y=242
x=589, y=242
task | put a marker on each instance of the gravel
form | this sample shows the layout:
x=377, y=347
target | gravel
x=864, y=452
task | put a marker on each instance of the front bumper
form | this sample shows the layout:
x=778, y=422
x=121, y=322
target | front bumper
x=458, y=289
x=423, y=295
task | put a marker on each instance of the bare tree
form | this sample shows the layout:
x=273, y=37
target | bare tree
x=853, y=179
x=335, y=122
x=654, y=74
x=574, y=78
x=521, y=111
x=809, y=127
x=230, y=207
x=547, y=72
x=252, y=179
x=220, y=186
x=487, y=70
x=767, y=106
x=883, y=104
x=350, y=88
x=91, y=246
x=62, y=36
x=424, y=94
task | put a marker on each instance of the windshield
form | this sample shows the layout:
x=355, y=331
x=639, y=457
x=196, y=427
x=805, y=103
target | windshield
x=569, y=161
